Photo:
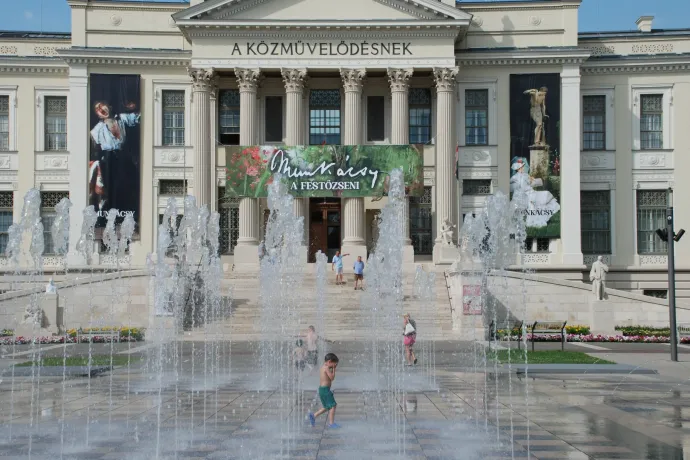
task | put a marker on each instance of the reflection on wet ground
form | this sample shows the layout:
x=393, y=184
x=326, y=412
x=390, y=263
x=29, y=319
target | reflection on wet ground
x=465, y=414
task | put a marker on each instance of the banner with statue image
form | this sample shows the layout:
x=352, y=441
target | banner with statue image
x=323, y=170
x=535, y=146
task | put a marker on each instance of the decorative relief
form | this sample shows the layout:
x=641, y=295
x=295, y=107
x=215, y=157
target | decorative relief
x=55, y=162
x=399, y=79
x=445, y=78
x=353, y=79
x=107, y=259
x=477, y=21
x=653, y=160
x=534, y=21
x=202, y=79
x=248, y=79
x=477, y=156
x=429, y=177
x=53, y=261
x=601, y=50
x=172, y=156
x=653, y=48
x=535, y=259
x=4, y=162
x=6, y=49
x=589, y=259
x=47, y=50
x=115, y=20
x=653, y=260
x=294, y=79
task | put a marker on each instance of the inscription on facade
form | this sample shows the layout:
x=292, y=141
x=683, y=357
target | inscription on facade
x=300, y=48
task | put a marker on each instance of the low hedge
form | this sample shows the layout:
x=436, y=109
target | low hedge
x=644, y=330
x=570, y=330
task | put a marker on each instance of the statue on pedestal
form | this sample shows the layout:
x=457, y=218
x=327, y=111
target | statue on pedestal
x=538, y=113
x=447, y=232
x=597, y=275
x=50, y=287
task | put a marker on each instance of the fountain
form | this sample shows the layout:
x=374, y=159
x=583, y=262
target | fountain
x=181, y=390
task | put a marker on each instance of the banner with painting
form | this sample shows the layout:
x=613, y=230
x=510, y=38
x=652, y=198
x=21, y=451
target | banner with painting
x=323, y=170
x=535, y=146
x=115, y=150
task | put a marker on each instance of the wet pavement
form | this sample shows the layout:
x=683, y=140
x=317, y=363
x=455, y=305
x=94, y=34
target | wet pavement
x=455, y=410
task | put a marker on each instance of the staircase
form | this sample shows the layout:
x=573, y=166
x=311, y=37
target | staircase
x=345, y=318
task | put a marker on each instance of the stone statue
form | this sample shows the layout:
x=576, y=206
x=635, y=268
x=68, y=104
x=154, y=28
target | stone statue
x=33, y=315
x=538, y=113
x=598, y=278
x=50, y=287
x=447, y=232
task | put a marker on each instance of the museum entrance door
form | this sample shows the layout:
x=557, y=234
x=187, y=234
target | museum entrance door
x=324, y=227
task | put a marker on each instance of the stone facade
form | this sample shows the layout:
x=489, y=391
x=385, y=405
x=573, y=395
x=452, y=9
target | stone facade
x=204, y=48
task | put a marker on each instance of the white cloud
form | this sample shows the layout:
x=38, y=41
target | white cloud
x=28, y=14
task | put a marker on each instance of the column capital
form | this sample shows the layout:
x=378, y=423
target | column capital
x=202, y=79
x=399, y=79
x=445, y=78
x=353, y=79
x=248, y=79
x=294, y=79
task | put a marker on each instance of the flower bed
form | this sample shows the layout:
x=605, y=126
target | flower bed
x=599, y=338
x=644, y=330
x=62, y=339
x=125, y=332
x=570, y=330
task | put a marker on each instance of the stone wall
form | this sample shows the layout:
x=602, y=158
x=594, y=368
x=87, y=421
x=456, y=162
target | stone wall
x=534, y=297
x=104, y=299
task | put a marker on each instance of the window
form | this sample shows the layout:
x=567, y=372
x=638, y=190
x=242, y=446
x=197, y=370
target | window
x=537, y=244
x=376, y=119
x=651, y=121
x=651, y=215
x=173, y=117
x=229, y=209
x=6, y=208
x=4, y=123
x=658, y=293
x=421, y=222
x=56, y=123
x=476, y=117
x=595, y=217
x=476, y=187
x=324, y=116
x=173, y=232
x=48, y=202
x=172, y=187
x=420, y=115
x=594, y=122
x=274, y=119
x=229, y=117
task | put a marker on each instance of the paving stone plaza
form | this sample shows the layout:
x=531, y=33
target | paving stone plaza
x=466, y=414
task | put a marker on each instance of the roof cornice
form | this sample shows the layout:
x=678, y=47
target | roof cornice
x=15, y=64
x=248, y=24
x=128, y=6
x=540, y=56
x=125, y=56
x=635, y=64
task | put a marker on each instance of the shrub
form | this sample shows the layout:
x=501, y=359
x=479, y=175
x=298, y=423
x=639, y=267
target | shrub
x=644, y=331
x=133, y=333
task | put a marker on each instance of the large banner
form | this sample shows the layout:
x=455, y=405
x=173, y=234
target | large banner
x=535, y=146
x=323, y=170
x=115, y=153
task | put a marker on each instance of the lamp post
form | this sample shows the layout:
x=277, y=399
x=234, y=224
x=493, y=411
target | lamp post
x=667, y=234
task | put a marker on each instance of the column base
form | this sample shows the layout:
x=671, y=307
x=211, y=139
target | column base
x=408, y=254
x=355, y=251
x=445, y=254
x=302, y=254
x=573, y=259
x=247, y=256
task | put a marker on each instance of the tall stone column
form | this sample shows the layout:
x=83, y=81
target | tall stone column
x=400, y=135
x=570, y=164
x=354, y=242
x=446, y=142
x=246, y=251
x=202, y=84
x=295, y=80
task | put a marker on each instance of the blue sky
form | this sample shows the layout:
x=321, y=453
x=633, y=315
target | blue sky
x=595, y=15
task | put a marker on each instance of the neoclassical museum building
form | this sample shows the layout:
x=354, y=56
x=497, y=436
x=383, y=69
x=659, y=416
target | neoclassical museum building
x=144, y=101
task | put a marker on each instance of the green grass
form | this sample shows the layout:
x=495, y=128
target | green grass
x=544, y=357
x=98, y=360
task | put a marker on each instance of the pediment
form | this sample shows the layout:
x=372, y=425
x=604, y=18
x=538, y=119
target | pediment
x=320, y=10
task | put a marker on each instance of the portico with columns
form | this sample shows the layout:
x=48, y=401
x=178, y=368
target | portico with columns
x=407, y=45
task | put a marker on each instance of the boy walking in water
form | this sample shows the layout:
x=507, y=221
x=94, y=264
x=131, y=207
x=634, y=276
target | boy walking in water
x=326, y=377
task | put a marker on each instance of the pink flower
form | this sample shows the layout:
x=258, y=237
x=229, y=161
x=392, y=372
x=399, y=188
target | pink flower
x=252, y=171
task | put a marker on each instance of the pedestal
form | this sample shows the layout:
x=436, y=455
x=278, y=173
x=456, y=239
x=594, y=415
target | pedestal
x=408, y=254
x=601, y=317
x=539, y=162
x=445, y=254
x=52, y=319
